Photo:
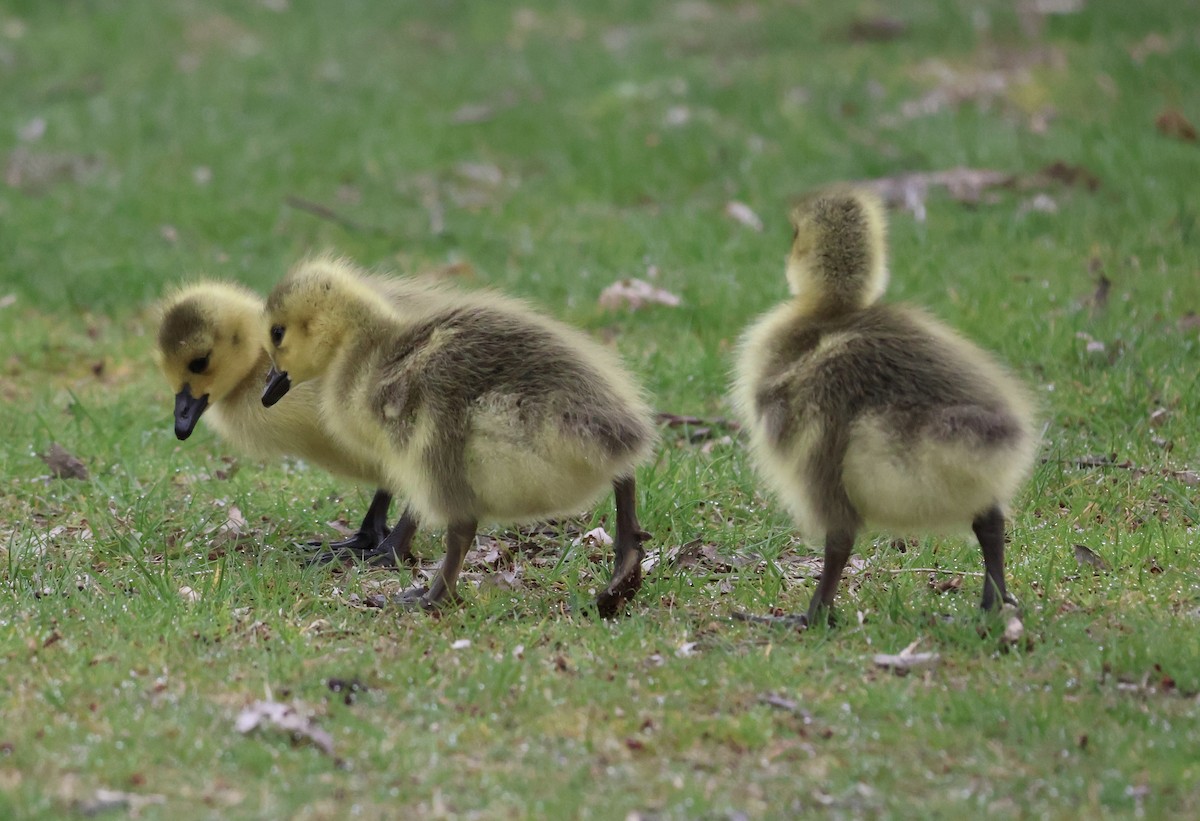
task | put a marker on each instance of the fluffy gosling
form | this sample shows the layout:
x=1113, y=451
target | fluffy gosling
x=481, y=409
x=209, y=348
x=861, y=413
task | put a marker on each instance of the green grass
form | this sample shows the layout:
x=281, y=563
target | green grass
x=174, y=134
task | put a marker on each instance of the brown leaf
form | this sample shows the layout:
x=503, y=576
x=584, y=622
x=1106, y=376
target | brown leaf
x=1189, y=322
x=286, y=717
x=909, y=190
x=1065, y=173
x=876, y=30
x=62, y=464
x=947, y=584
x=1088, y=557
x=1172, y=123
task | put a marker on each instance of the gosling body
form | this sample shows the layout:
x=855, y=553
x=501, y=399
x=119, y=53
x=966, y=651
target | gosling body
x=482, y=409
x=209, y=348
x=866, y=414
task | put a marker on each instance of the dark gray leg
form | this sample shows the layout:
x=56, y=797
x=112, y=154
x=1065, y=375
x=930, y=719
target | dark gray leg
x=838, y=545
x=627, y=566
x=397, y=546
x=989, y=529
x=370, y=533
x=444, y=590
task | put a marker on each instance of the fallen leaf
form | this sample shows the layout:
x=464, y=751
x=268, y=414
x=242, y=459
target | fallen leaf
x=1014, y=630
x=688, y=648
x=596, y=536
x=33, y=172
x=1188, y=322
x=744, y=214
x=1086, y=556
x=286, y=717
x=876, y=29
x=964, y=184
x=1065, y=173
x=633, y=294
x=1153, y=43
x=473, y=113
x=906, y=660
x=1159, y=417
x=1172, y=123
x=105, y=800
x=779, y=702
x=947, y=584
x=63, y=464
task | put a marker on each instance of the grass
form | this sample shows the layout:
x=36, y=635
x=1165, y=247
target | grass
x=150, y=143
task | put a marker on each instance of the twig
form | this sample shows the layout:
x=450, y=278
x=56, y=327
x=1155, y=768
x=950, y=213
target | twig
x=928, y=570
x=326, y=213
x=797, y=621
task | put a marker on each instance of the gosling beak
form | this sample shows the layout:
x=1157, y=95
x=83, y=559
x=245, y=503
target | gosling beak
x=277, y=385
x=187, y=411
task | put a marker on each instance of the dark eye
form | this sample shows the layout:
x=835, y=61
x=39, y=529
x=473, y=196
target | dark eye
x=199, y=364
x=276, y=335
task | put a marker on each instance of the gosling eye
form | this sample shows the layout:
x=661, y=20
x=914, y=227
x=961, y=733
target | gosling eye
x=199, y=364
x=277, y=335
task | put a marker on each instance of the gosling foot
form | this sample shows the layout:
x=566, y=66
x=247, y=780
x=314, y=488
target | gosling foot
x=421, y=598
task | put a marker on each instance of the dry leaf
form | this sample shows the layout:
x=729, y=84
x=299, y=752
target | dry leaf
x=1086, y=556
x=633, y=294
x=597, y=536
x=105, y=800
x=779, y=702
x=906, y=660
x=63, y=465
x=740, y=212
x=1014, y=630
x=876, y=30
x=473, y=113
x=909, y=190
x=1171, y=123
x=286, y=717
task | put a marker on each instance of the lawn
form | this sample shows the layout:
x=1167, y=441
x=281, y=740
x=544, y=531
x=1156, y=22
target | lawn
x=157, y=589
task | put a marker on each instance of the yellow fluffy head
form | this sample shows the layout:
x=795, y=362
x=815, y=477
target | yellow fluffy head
x=310, y=311
x=838, y=260
x=208, y=338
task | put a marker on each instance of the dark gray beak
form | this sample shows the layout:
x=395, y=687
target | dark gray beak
x=277, y=385
x=187, y=411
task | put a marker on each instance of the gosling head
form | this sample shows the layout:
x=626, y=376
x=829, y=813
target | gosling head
x=838, y=259
x=305, y=319
x=207, y=345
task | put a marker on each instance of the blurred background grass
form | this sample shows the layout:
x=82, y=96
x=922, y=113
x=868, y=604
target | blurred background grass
x=551, y=149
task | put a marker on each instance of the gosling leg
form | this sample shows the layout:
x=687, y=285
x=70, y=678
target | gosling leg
x=371, y=532
x=838, y=545
x=397, y=546
x=444, y=590
x=627, y=566
x=989, y=529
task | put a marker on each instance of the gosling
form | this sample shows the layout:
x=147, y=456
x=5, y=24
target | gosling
x=481, y=409
x=210, y=351
x=861, y=413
